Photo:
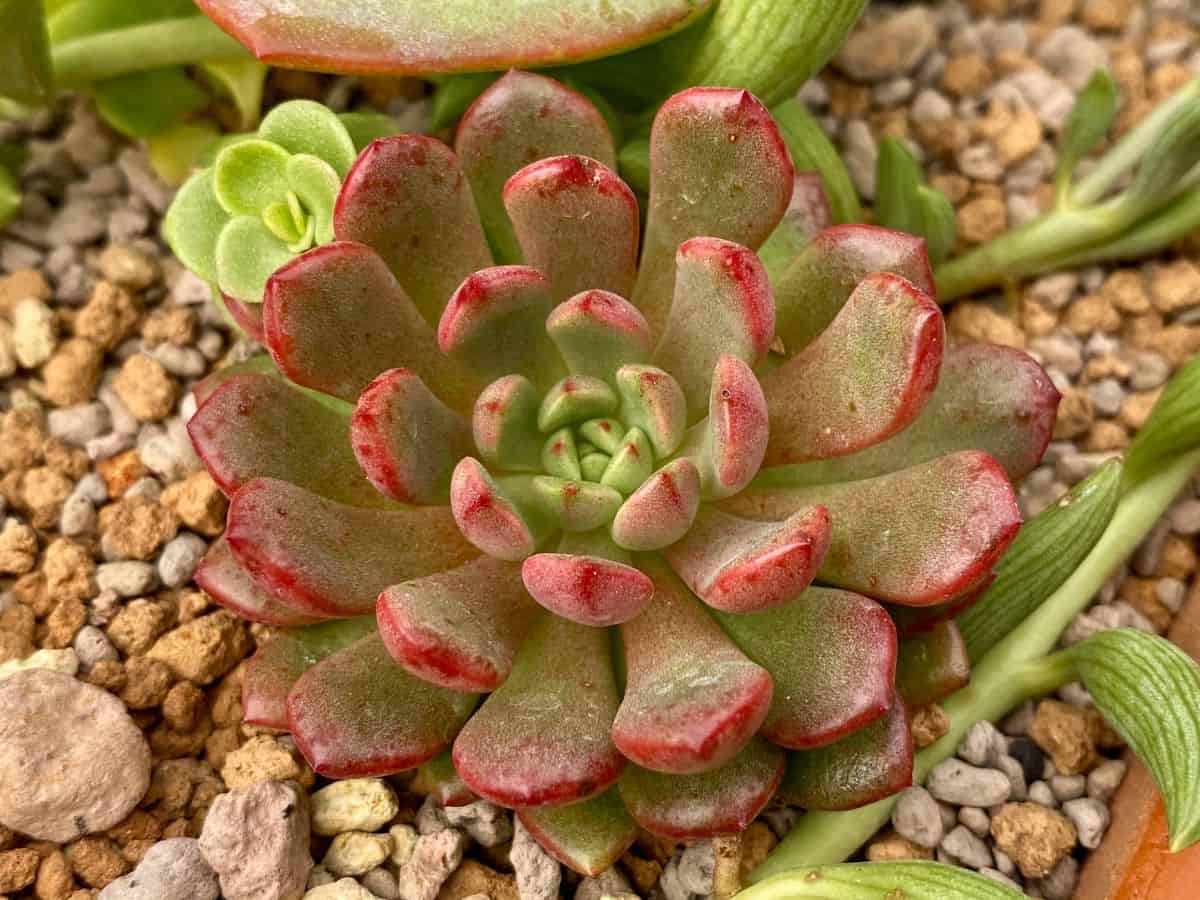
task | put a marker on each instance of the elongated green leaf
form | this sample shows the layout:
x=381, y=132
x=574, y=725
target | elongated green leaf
x=1173, y=427
x=881, y=881
x=1047, y=550
x=86, y=17
x=897, y=178
x=936, y=222
x=1149, y=691
x=1171, y=157
x=10, y=196
x=1089, y=122
x=26, y=74
x=812, y=150
x=144, y=103
x=242, y=80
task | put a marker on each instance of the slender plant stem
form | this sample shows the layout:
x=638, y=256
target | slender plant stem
x=1014, y=670
x=171, y=42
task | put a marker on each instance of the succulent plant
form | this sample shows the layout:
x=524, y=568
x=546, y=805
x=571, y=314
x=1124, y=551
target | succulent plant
x=613, y=538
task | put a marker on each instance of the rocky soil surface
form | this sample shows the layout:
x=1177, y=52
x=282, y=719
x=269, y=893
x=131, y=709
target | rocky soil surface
x=111, y=656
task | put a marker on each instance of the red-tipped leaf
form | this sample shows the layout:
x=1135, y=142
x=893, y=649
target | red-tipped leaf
x=590, y=590
x=223, y=578
x=587, y=836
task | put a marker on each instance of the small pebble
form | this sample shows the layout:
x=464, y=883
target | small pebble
x=356, y=804
x=916, y=817
x=356, y=852
x=1090, y=818
x=957, y=782
x=967, y=848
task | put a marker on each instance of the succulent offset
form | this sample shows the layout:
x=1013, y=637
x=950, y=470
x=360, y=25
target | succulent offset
x=633, y=528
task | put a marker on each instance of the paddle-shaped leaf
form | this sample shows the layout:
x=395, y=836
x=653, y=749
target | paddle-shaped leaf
x=807, y=214
x=720, y=801
x=357, y=713
x=868, y=765
x=692, y=699
x=590, y=590
x=520, y=118
x=932, y=666
x=882, y=881
x=587, y=836
x=404, y=192
x=504, y=424
x=543, y=736
x=597, y=332
x=460, y=628
x=832, y=655
x=577, y=222
x=222, y=577
x=719, y=169
x=500, y=517
x=917, y=537
x=331, y=559
x=661, y=511
x=866, y=377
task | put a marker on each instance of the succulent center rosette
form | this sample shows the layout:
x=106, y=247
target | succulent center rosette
x=635, y=528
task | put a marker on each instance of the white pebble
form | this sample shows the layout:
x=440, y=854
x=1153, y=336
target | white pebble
x=179, y=559
x=64, y=661
x=33, y=332
x=357, y=852
x=356, y=804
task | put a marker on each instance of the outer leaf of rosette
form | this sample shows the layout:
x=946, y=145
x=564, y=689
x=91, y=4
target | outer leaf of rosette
x=257, y=426
x=728, y=446
x=588, y=836
x=807, y=215
x=720, y=801
x=932, y=666
x=543, y=737
x=336, y=317
x=563, y=210
x=812, y=289
x=494, y=325
x=947, y=523
x=224, y=579
x=460, y=628
x=597, y=332
x=503, y=517
x=277, y=664
x=330, y=559
x=404, y=193
x=988, y=397
x=406, y=440
x=356, y=714
x=718, y=168
x=692, y=698
x=745, y=566
x=865, y=378
x=832, y=655
x=868, y=765
x=520, y=118
x=722, y=307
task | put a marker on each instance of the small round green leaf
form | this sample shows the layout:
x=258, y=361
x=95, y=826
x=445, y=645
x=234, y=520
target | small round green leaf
x=249, y=176
x=247, y=254
x=280, y=222
x=194, y=222
x=305, y=126
x=316, y=184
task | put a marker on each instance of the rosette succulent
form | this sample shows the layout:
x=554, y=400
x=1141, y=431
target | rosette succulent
x=640, y=527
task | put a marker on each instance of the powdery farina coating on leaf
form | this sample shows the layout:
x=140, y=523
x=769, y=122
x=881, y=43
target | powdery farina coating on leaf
x=582, y=445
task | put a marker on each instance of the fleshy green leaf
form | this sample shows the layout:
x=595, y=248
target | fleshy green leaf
x=881, y=881
x=10, y=196
x=937, y=222
x=932, y=666
x=242, y=80
x=812, y=150
x=504, y=424
x=897, y=176
x=1174, y=153
x=247, y=255
x=806, y=216
x=438, y=778
x=1046, y=551
x=79, y=19
x=250, y=175
x=429, y=36
x=315, y=184
x=27, y=74
x=305, y=126
x=1172, y=429
x=502, y=517
x=588, y=836
x=366, y=125
x=597, y=332
x=1149, y=691
x=224, y=579
x=193, y=224
x=176, y=151
x=454, y=94
x=141, y=104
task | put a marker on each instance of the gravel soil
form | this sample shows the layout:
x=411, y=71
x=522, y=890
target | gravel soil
x=115, y=657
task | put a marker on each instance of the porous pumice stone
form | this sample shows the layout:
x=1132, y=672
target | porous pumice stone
x=74, y=763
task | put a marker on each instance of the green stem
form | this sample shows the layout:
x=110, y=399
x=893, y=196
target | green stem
x=1015, y=669
x=171, y=42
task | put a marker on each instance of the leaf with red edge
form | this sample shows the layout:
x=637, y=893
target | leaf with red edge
x=868, y=765
x=832, y=655
x=277, y=664
x=812, y=289
x=543, y=736
x=588, y=836
x=222, y=577
x=661, y=511
x=653, y=401
x=719, y=168
x=460, y=628
x=406, y=440
x=597, y=332
x=504, y=424
x=917, y=620
x=577, y=222
x=335, y=317
x=357, y=714
x=403, y=194
x=419, y=37
x=438, y=778
x=331, y=559
x=988, y=397
x=494, y=325
x=256, y=426
x=728, y=447
x=917, y=537
x=932, y=666
x=590, y=590
x=692, y=698
x=247, y=316
x=520, y=118
x=867, y=376
x=744, y=566
x=808, y=214
x=720, y=801
x=499, y=516
x=722, y=307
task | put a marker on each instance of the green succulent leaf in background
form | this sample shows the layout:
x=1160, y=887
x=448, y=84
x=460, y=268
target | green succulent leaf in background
x=26, y=75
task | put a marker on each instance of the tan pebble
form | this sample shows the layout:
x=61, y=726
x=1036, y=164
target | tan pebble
x=145, y=387
x=204, y=649
x=72, y=462
x=1036, y=319
x=109, y=316
x=891, y=847
x=108, y=674
x=263, y=759
x=1178, y=558
x=928, y=724
x=18, y=869
x=69, y=569
x=96, y=861
x=1125, y=290
x=966, y=75
x=226, y=698
x=220, y=744
x=43, y=491
x=18, y=548
x=1093, y=312
x=72, y=374
x=128, y=267
x=22, y=437
x=170, y=324
x=1142, y=595
x=138, y=625
x=1175, y=286
x=63, y=624
x=198, y=502
x=757, y=841
x=147, y=682
x=137, y=527
x=54, y=880
x=472, y=878
x=1106, y=365
x=139, y=825
x=1034, y=836
x=1105, y=15
x=1136, y=408
x=978, y=322
x=1075, y=415
x=14, y=647
x=1022, y=136
x=120, y=471
x=1062, y=732
x=1105, y=436
x=182, y=706
x=981, y=219
x=20, y=285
